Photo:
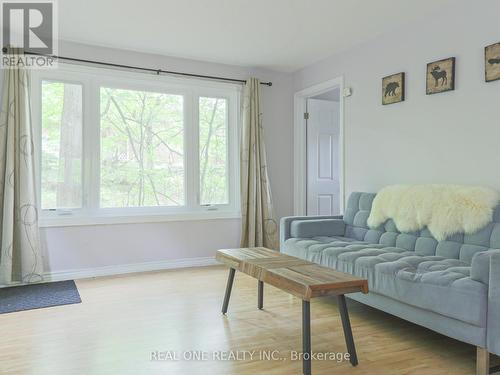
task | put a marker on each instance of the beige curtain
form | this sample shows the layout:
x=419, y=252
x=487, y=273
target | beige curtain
x=259, y=227
x=20, y=258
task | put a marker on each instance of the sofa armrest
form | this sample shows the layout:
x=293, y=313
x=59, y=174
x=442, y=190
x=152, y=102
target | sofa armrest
x=481, y=266
x=286, y=224
x=486, y=269
x=318, y=227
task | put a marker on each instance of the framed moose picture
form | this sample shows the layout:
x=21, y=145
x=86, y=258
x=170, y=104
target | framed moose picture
x=440, y=76
x=492, y=62
x=393, y=89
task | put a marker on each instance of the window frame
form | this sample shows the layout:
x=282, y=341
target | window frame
x=92, y=79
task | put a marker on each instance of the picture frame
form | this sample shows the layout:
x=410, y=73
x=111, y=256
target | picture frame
x=393, y=88
x=492, y=62
x=440, y=76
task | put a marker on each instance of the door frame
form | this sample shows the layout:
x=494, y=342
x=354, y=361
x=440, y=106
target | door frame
x=300, y=143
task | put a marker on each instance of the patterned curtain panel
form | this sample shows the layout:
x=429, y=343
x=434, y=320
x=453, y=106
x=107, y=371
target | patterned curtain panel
x=259, y=227
x=20, y=258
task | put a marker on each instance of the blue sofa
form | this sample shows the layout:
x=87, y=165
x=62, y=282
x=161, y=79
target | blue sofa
x=450, y=286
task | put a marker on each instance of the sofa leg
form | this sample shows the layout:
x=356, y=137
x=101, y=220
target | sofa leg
x=482, y=361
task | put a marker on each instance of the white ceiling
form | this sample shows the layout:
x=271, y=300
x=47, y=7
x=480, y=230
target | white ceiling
x=283, y=35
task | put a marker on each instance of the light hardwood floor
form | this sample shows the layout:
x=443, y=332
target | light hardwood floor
x=123, y=319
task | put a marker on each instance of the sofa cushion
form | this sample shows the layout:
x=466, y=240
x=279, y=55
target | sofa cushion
x=312, y=248
x=436, y=284
x=459, y=246
x=429, y=282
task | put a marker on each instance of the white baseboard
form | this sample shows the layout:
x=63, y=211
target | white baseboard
x=129, y=268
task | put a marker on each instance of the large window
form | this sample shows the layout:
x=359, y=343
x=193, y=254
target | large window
x=119, y=146
x=142, y=148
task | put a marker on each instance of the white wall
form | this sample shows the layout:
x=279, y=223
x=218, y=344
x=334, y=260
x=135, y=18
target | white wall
x=91, y=247
x=451, y=137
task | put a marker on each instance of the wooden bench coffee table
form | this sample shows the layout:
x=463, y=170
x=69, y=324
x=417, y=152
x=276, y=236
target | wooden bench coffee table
x=298, y=277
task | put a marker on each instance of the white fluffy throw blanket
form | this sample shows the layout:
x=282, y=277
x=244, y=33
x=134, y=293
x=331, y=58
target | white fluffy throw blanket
x=443, y=209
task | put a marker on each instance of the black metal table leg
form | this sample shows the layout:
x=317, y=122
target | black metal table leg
x=306, y=338
x=261, y=295
x=229, y=286
x=346, y=324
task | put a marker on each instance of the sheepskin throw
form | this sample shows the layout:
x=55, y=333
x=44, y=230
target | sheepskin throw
x=444, y=209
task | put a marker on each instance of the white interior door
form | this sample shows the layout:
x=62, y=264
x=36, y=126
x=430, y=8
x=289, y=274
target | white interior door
x=323, y=177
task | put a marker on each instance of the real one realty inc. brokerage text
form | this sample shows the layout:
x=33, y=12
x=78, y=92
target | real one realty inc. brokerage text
x=244, y=355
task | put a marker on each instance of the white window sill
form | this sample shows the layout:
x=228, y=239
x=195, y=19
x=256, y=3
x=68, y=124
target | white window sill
x=71, y=221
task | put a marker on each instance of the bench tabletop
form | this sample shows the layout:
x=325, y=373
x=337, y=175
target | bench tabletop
x=296, y=276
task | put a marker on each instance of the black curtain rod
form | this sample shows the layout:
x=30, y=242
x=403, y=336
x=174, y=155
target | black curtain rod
x=157, y=71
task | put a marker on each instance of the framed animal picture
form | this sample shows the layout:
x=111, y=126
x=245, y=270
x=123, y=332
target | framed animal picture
x=440, y=76
x=492, y=62
x=393, y=89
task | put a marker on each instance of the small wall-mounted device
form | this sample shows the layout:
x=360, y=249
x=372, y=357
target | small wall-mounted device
x=347, y=92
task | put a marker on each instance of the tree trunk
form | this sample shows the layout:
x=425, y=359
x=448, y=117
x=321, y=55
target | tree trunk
x=69, y=181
